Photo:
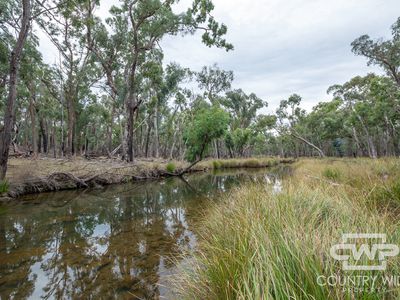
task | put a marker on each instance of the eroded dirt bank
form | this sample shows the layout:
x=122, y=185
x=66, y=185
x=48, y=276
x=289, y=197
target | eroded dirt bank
x=27, y=176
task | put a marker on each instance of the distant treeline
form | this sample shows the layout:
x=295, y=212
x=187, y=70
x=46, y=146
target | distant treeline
x=110, y=94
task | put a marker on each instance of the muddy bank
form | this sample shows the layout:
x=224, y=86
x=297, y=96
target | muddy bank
x=80, y=174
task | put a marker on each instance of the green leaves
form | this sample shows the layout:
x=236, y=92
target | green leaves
x=385, y=54
x=198, y=17
x=207, y=125
x=214, y=81
x=242, y=107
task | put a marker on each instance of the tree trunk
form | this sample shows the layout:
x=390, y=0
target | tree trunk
x=156, y=137
x=129, y=129
x=110, y=129
x=217, y=149
x=39, y=143
x=85, y=147
x=70, y=128
x=146, y=151
x=131, y=101
x=374, y=153
x=62, y=144
x=371, y=146
x=43, y=133
x=54, y=140
x=199, y=158
x=297, y=136
x=171, y=153
x=32, y=113
x=230, y=152
x=12, y=92
x=356, y=139
x=123, y=140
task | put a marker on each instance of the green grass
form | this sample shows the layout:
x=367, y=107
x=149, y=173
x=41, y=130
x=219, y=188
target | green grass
x=4, y=186
x=170, y=167
x=333, y=174
x=259, y=245
x=216, y=164
x=244, y=163
x=386, y=196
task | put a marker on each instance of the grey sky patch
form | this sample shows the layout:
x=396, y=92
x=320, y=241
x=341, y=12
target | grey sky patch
x=282, y=47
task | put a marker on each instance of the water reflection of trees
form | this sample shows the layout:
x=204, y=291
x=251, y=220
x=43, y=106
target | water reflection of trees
x=106, y=243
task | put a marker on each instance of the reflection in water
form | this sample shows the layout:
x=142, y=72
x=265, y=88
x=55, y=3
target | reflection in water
x=115, y=242
x=275, y=182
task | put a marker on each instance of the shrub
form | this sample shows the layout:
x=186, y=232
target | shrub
x=217, y=164
x=332, y=174
x=4, y=186
x=170, y=167
x=253, y=163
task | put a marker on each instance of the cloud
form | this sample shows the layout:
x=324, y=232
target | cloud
x=282, y=47
x=285, y=47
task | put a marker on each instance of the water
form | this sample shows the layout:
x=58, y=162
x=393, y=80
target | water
x=114, y=242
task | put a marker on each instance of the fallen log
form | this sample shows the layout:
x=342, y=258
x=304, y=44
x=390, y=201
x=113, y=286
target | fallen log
x=70, y=176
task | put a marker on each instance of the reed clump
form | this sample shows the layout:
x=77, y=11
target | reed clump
x=263, y=162
x=257, y=244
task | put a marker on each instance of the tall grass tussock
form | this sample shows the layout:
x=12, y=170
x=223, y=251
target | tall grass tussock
x=4, y=186
x=170, y=167
x=245, y=163
x=257, y=244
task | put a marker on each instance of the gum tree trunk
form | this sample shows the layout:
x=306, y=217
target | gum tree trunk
x=32, y=113
x=16, y=53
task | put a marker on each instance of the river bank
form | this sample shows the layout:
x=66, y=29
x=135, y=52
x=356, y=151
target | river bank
x=259, y=244
x=111, y=242
x=27, y=176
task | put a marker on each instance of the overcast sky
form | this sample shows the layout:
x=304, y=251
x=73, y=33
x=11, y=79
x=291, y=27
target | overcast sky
x=284, y=47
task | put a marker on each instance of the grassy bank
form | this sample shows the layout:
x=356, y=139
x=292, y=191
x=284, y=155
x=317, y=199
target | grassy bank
x=261, y=245
x=45, y=174
x=260, y=162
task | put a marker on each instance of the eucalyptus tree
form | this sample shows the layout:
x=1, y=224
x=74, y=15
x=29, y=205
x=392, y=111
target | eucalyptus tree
x=265, y=137
x=171, y=99
x=208, y=124
x=20, y=14
x=213, y=81
x=31, y=69
x=94, y=123
x=69, y=29
x=290, y=116
x=153, y=72
x=265, y=123
x=147, y=23
x=386, y=95
x=372, y=106
x=163, y=112
x=110, y=51
x=385, y=54
x=243, y=110
x=242, y=107
x=328, y=126
x=355, y=94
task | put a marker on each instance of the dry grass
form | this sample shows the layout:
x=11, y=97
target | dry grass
x=47, y=174
x=259, y=162
x=39, y=175
x=20, y=170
